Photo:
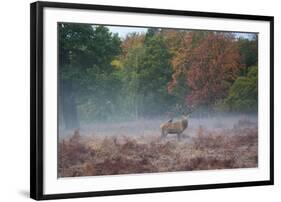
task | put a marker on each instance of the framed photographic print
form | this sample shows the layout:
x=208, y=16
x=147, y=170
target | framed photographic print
x=135, y=100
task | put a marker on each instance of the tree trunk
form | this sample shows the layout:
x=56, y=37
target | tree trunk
x=68, y=105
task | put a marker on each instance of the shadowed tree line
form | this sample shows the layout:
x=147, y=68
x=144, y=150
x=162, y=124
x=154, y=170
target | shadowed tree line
x=104, y=77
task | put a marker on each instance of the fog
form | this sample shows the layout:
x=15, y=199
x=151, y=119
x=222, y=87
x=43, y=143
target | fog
x=151, y=126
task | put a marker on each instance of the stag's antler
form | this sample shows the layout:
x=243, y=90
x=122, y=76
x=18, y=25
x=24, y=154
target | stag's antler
x=184, y=109
x=190, y=109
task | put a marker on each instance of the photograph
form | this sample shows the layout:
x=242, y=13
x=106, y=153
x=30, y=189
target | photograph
x=136, y=100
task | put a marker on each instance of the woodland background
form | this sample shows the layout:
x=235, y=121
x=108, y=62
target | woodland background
x=104, y=77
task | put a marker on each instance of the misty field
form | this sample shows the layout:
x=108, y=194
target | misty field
x=137, y=147
x=123, y=91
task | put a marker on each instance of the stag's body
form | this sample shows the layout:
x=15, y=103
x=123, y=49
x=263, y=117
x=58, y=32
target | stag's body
x=174, y=127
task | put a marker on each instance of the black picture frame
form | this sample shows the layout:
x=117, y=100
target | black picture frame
x=37, y=101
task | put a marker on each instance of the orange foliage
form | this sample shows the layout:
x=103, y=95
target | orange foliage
x=210, y=64
x=131, y=41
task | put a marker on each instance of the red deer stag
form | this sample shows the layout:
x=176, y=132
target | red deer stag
x=176, y=127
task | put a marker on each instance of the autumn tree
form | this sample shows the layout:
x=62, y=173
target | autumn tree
x=131, y=41
x=208, y=63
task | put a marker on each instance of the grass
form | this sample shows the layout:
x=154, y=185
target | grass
x=206, y=150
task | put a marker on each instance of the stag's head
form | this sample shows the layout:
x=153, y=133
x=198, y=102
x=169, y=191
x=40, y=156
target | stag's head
x=184, y=116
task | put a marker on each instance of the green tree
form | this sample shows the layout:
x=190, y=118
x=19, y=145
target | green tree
x=148, y=71
x=85, y=52
x=249, y=53
x=243, y=95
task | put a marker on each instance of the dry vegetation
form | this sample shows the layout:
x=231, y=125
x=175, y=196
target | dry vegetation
x=207, y=149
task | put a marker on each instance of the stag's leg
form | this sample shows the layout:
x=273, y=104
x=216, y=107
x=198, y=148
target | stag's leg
x=163, y=134
x=179, y=136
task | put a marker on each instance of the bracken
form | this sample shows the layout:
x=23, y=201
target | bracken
x=207, y=150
